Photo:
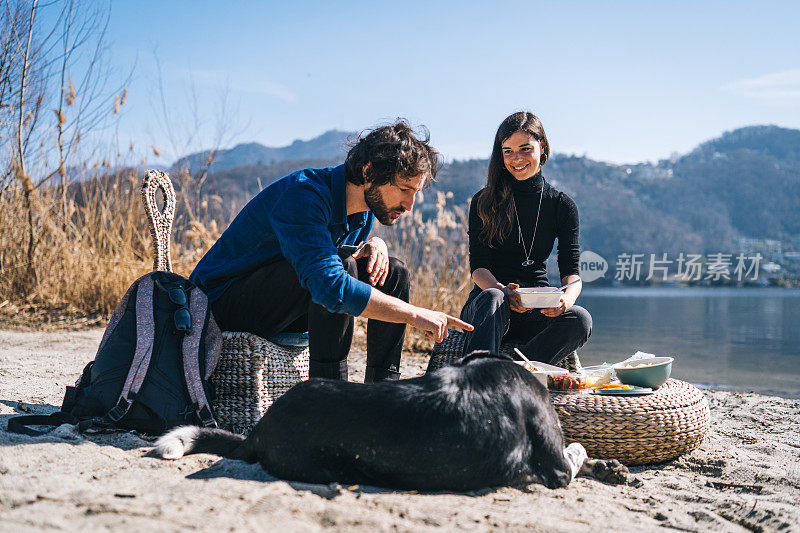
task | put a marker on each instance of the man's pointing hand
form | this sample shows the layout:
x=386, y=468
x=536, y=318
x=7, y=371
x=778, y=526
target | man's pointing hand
x=435, y=323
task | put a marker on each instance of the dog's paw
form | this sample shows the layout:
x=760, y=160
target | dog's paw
x=176, y=443
x=609, y=471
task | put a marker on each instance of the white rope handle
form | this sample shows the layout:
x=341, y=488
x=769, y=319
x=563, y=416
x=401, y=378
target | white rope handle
x=160, y=220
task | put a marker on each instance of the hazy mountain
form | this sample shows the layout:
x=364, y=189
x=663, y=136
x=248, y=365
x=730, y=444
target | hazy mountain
x=783, y=144
x=329, y=145
x=243, y=182
x=746, y=183
x=750, y=177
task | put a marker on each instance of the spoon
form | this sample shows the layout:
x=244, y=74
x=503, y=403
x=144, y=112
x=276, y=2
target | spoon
x=519, y=353
x=570, y=283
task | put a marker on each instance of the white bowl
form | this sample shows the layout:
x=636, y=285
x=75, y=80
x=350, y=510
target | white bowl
x=540, y=297
x=542, y=370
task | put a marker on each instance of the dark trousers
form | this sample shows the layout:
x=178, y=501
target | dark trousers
x=271, y=300
x=545, y=339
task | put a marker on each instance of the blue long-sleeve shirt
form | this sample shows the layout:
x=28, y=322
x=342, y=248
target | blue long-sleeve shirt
x=301, y=217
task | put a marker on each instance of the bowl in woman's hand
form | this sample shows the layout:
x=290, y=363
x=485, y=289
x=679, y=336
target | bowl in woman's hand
x=540, y=297
x=651, y=372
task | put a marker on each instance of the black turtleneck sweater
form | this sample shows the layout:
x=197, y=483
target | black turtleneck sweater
x=558, y=219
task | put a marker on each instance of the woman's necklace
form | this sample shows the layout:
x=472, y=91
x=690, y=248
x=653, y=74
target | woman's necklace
x=528, y=261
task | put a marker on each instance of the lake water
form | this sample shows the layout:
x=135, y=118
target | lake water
x=739, y=339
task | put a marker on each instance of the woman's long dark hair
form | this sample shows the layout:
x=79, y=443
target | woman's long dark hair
x=494, y=201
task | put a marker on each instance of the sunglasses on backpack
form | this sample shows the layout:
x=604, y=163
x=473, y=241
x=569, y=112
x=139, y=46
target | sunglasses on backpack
x=181, y=317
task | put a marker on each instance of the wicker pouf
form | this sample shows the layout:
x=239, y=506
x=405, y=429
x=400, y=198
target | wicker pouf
x=251, y=374
x=636, y=429
x=452, y=348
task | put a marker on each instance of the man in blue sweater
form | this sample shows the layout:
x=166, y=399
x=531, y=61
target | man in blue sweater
x=297, y=258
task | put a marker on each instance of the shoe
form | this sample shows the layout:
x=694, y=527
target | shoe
x=290, y=339
x=571, y=362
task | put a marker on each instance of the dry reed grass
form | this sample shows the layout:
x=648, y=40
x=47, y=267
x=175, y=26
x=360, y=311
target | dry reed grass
x=83, y=268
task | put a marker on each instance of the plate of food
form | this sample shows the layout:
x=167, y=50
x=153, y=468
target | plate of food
x=567, y=382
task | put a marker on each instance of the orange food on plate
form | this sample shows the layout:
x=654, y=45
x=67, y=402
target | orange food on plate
x=566, y=382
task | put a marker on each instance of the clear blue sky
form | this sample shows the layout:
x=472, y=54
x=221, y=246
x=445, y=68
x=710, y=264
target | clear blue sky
x=617, y=81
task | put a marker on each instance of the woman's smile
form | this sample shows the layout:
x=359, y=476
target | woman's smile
x=521, y=155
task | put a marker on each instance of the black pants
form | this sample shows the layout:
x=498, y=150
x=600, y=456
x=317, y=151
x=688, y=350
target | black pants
x=545, y=339
x=270, y=300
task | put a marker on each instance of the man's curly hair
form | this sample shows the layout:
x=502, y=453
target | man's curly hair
x=393, y=152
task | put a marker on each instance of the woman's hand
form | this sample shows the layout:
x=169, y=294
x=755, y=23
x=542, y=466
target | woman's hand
x=514, y=299
x=552, y=312
x=568, y=298
x=378, y=259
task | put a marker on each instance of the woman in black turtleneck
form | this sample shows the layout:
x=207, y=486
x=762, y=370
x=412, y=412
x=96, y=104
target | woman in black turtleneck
x=514, y=222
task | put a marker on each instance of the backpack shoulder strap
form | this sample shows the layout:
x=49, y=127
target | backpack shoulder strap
x=19, y=424
x=145, y=333
x=116, y=316
x=198, y=308
x=213, y=343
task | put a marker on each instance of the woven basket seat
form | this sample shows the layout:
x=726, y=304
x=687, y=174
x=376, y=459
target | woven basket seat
x=636, y=430
x=251, y=374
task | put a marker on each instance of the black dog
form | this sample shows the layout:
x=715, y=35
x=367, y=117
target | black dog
x=484, y=422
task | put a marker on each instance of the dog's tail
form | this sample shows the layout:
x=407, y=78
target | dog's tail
x=192, y=439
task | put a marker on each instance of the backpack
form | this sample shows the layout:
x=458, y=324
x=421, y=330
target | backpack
x=152, y=367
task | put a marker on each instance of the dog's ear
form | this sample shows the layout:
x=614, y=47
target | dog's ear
x=482, y=354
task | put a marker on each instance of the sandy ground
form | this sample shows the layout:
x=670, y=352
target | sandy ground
x=746, y=476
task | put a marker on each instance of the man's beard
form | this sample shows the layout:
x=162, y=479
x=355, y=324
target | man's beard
x=375, y=202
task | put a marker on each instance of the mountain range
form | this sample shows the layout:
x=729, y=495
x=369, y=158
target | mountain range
x=330, y=145
x=743, y=184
